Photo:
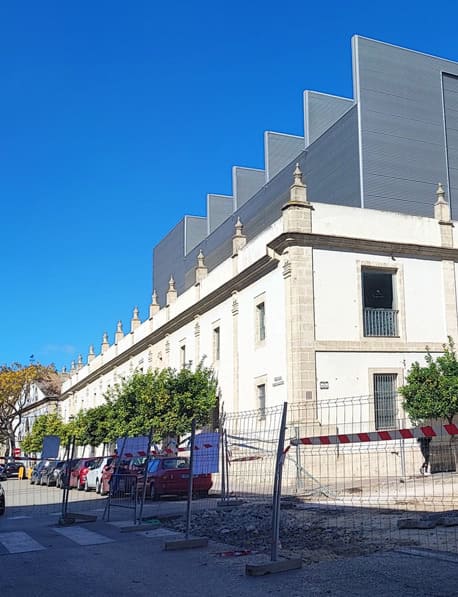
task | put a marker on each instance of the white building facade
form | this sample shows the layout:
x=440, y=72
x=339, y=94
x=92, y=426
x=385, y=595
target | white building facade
x=329, y=302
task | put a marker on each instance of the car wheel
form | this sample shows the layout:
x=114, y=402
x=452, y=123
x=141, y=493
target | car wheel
x=86, y=486
x=152, y=492
x=98, y=487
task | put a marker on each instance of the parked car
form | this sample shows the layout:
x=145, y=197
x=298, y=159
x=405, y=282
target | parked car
x=3, y=475
x=64, y=473
x=79, y=472
x=50, y=473
x=170, y=476
x=2, y=500
x=12, y=468
x=123, y=470
x=35, y=478
x=95, y=472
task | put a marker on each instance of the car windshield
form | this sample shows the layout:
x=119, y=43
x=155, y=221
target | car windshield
x=171, y=463
x=153, y=466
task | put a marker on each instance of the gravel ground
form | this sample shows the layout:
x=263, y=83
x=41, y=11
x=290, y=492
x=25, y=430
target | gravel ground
x=308, y=534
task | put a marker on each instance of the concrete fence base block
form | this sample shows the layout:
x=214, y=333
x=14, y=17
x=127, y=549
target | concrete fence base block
x=137, y=527
x=273, y=567
x=186, y=543
x=71, y=518
x=222, y=504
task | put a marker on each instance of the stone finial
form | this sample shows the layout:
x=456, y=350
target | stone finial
x=171, y=292
x=64, y=370
x=298, y=190
x=72, y=367
x=79, y=363
x=119, y=335
x=154, y=306
x=441, y=207
x=239, y=239
x=91, y=354
x=201, y=271
x=135, y=321
x=297, y=211
x=105, y=343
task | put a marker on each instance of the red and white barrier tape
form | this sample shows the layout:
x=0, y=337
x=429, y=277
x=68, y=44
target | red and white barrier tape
x=376, y=436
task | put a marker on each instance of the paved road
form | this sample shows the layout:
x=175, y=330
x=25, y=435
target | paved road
x=39, y=558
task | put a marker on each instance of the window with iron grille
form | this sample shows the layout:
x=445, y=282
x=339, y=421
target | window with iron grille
x=379, y=313
x=385, y=393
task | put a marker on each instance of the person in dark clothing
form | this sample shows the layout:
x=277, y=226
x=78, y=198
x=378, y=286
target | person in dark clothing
x=426, y=453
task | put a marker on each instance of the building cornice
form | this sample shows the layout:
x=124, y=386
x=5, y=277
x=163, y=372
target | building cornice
x=361, y=245
x=377, y=344
x=268, y=263
x=248, y=276
x=39, y=403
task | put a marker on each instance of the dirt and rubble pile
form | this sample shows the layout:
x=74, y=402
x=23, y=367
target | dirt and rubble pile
x=307, y=533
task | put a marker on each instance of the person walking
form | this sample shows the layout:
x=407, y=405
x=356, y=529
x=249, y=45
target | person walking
x=425, y=442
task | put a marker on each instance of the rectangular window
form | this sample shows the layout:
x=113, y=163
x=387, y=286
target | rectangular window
x=183, y=356
x=380, y=315
x=385, y=393
x=261, y=322
x=261, y=399
x=216, y=344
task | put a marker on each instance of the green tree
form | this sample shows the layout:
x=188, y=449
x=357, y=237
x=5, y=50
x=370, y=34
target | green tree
x=431, y=392
x=50, y=424
x=166, y=400
x=91, y=427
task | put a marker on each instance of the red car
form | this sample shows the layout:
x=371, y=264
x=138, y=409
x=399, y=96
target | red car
x=109, y=469
x=170, y=476
x=79, y=472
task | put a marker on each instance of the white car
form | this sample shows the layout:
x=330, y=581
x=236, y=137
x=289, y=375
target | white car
x=94, y=474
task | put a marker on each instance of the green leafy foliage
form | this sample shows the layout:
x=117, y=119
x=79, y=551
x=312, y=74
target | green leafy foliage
x=165, y=400
x=50, y=424
x=91, y=427
x=431, y=392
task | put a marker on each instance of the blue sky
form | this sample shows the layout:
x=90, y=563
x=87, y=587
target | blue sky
x=117, y=118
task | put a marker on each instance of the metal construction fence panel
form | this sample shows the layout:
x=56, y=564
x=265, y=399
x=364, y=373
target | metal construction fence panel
x=250, y=442
x=363, y=488
x=349, y=487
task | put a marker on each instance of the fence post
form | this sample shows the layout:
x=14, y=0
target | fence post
x=70, y=454
x=298, y=459
x=277, y=485
x=191, y=463
x=223, y=467
x=145, y=476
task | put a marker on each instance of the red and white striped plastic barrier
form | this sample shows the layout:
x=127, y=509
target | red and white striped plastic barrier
x=376, y=436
